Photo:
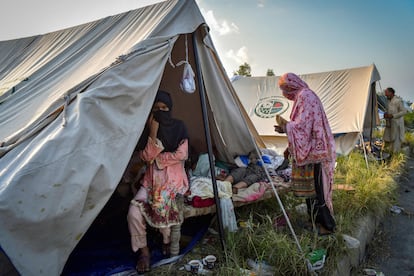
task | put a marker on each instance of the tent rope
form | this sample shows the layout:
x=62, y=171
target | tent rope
x=186, y=54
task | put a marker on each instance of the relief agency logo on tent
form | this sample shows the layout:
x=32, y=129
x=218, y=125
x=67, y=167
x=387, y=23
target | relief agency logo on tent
x=270, y=106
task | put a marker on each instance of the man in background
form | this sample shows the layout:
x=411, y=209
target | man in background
x=394, y=118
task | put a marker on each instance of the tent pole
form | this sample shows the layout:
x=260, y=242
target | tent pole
x=361, y=137
x=374, y=111
x=208, y=139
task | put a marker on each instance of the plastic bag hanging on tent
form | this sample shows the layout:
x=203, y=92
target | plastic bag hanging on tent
x=187, y=83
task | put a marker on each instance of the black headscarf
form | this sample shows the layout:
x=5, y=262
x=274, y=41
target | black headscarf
x=171, y=131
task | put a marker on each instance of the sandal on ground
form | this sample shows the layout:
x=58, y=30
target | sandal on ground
x=166, y=249
x=323, y=232
x=143, y=264
x=319, y=229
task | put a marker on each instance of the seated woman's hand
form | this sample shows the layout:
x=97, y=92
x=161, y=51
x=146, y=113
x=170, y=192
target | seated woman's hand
x=154, y=125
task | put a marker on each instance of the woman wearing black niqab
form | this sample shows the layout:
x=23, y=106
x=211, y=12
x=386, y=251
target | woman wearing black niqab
x=171, y=131
x=158, y=203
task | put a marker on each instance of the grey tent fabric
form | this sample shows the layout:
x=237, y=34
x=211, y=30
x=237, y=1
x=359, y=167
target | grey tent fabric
x=73, y=104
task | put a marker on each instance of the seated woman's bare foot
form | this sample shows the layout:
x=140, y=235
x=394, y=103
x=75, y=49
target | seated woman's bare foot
x=239, y=185
x=220, y=177
x=144, y=261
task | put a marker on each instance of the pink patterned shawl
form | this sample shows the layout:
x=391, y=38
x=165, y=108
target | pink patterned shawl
x=309, y=134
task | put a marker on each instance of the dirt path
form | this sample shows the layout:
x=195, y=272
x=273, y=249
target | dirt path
x=392, y=250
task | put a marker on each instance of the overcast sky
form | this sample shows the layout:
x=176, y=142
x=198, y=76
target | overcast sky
x=298, y=36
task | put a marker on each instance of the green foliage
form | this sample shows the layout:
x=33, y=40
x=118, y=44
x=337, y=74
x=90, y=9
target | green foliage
x=244, y=70
x=375, y=188
x=409, y=139
x=409, y=120
x=270, y=72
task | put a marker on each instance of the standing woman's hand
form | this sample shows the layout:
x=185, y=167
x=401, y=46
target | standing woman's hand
x=281, y=124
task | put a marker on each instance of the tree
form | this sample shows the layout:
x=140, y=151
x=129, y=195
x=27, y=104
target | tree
x=244, y=70
x=270, y=72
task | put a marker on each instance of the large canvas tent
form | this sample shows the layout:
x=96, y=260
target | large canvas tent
x=73, y=104
x=348, y=95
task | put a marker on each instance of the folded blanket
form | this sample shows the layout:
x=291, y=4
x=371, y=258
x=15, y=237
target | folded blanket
x=203, y=187
x=251, y=193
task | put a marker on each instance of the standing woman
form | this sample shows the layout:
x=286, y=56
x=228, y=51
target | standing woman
x=158, y=203
x=312, y=148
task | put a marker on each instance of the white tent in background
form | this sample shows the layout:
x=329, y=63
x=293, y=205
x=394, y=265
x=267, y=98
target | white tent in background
x=348, y=96
x=73, y=104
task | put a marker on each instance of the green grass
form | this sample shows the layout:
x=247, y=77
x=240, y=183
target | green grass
x=409, y=139
x=378, y=133
x=409, y=120
x=375, y=192
x=375, y=189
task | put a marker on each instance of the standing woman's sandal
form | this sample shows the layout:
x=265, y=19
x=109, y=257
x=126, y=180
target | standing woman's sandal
x=322, y=231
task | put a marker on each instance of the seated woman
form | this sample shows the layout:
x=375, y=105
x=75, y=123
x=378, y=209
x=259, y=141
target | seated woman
x=158, y=203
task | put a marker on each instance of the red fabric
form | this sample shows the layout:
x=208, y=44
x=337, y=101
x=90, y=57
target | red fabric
x=198, y=202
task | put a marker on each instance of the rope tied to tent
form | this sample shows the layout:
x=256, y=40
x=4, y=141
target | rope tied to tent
x=65, y=107
x=186, y=54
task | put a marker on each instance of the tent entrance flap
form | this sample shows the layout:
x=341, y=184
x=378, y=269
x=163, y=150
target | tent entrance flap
x=62, y=177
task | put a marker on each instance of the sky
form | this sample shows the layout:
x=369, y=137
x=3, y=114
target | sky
x=299, y=36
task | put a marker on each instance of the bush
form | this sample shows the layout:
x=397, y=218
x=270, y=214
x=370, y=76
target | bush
x=409, y=120
x=409, y=139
